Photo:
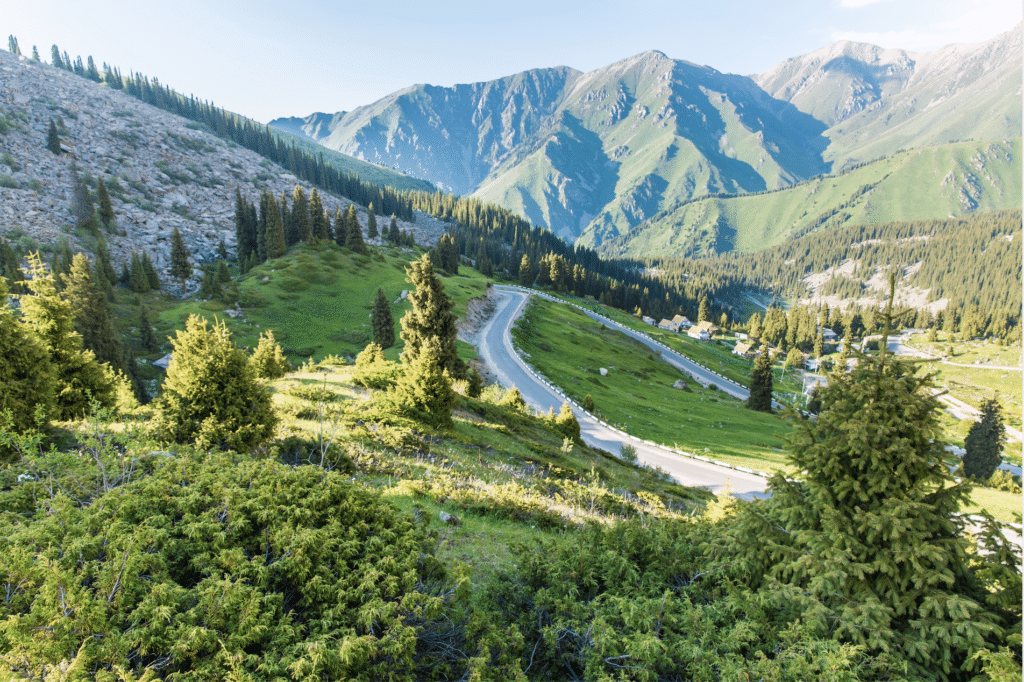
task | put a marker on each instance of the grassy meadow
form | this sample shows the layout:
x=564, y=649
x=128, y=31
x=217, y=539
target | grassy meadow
x=637, y=394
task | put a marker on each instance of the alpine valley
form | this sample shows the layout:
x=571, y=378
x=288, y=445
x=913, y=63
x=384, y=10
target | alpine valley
x=617, y=156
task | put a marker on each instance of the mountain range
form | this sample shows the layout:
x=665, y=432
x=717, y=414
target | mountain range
x=591, y=156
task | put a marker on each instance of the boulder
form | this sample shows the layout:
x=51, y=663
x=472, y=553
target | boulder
x=163, y=362
x=681, y=385
x=451, y=519
x=603, y=371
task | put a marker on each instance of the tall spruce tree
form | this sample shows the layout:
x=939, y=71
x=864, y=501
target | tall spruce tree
x=340, y=231
x=319, y=226
x=26, y=380
x=431, y=317
x=92, y=313
x=261, y=228
x=300, y=215
x=867, y=534
x=371, y=222
x=382, y=322
x=181, y=268
x=10, y=268
x=78, y=377
x=106, y=208
x=275, y=240
x=448, y=254
x=82, y=207
x=984, y=442
x=761, y=380
x=103, y=266
x=53, y=138
x=147, y=336
x=354, y=234
x=138, y=279
x=393, y=234
x=147, y=268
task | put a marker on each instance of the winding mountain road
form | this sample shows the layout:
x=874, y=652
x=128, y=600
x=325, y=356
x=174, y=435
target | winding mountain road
x=496, y=350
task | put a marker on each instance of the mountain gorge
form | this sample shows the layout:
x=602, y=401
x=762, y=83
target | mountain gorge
x=592, y=155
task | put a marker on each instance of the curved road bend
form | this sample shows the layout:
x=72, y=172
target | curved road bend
x=496, y=350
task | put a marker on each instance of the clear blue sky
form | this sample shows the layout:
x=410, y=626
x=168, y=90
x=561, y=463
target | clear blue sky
x=268, y=59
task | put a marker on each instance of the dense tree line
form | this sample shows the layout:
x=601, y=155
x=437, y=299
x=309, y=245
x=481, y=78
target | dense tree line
x=972, y=261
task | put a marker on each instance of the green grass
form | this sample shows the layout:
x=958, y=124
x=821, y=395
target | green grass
x=716, y=355
x=637, y=394
x=974, y=384
x=316, y=299
x=999, y=503
x=915, y=185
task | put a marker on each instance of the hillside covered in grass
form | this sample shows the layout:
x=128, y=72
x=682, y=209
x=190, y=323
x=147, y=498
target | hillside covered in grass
x=919, y=184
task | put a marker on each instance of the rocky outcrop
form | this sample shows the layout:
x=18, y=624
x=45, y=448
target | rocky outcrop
x=478, y=311
x=163, y=171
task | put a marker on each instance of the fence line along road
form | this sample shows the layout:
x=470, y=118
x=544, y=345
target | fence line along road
x=500, y=355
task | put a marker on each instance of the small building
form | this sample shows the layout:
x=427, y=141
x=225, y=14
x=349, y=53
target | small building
x=710, y=327
x=827, y=335
x=649, y=320
x=743, y=350
x=668, y=324
x=682, y=322
x=698, y=334
x=742, y=336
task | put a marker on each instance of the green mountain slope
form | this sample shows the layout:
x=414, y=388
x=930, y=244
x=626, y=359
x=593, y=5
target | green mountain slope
x=932, y=182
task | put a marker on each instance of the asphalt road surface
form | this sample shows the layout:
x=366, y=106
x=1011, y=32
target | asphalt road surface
x=495, y=347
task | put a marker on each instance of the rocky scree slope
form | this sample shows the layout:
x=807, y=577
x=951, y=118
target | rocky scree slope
x=162, y=171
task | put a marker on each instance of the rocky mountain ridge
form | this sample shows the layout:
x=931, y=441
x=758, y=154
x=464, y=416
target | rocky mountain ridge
x=591, y=155
x=163, y=172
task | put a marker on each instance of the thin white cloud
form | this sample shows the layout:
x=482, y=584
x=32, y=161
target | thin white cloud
x=961, y=22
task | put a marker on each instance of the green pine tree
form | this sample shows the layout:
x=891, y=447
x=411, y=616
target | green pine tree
x=393, y=234
x=526, y=274
x=78, y=377
x=275, y=241
x=704, y=311
x=268, y=359
x=371, y=223
x=138, y=279
x=211, y=395
x=319, y=225
x=431, y=318
x=425, y=389
x=448, y=254
x=867, y=533
x=106, y=209
x=25, y=373
x=147, y=268
x=147, y=336
x=340, y=230
x=10, y=268
x=103, y=267
x=984, y=442
x=382, y=322
x=300, y=215
x=93, y=317
x=353, y=233
x=53, y=139
x=761, y=380
x=181, y=268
